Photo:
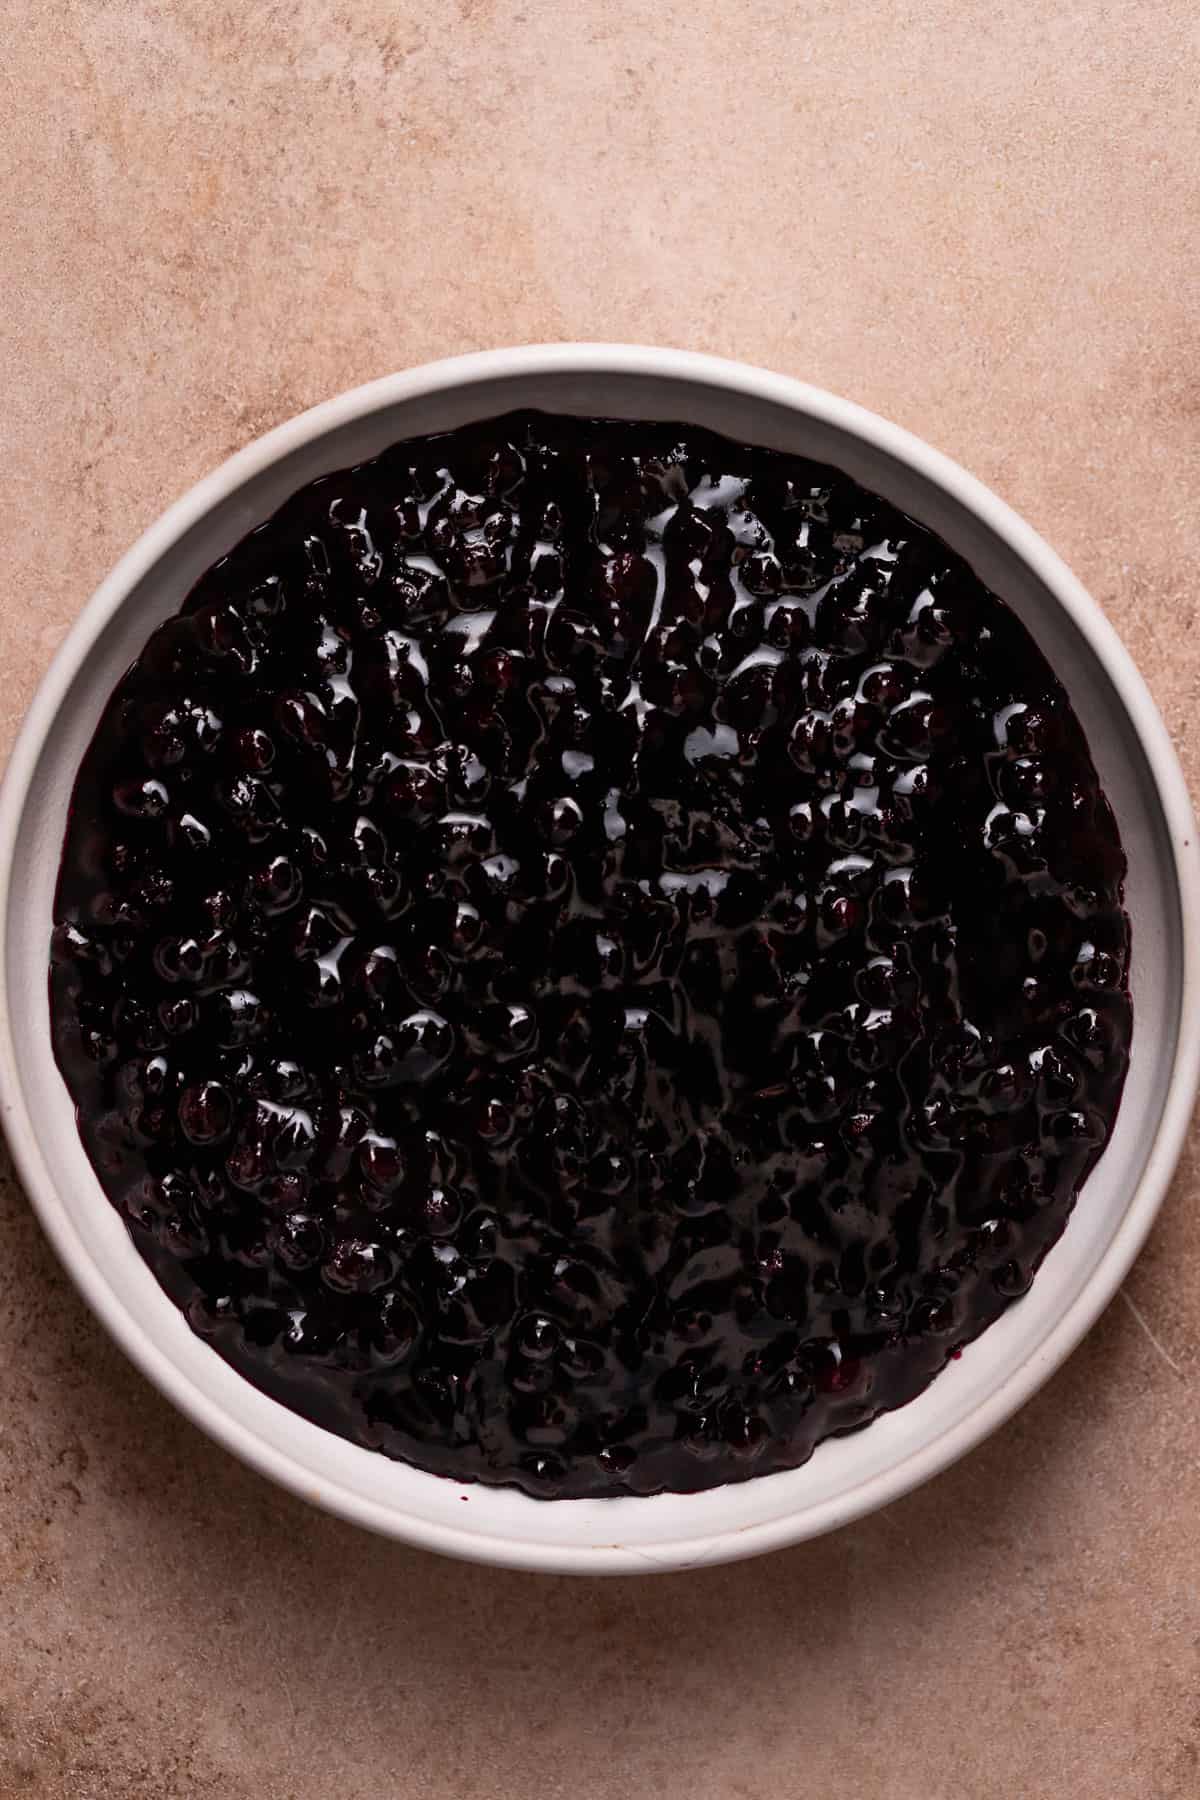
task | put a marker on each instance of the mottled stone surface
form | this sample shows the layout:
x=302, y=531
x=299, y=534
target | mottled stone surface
x=976, y=218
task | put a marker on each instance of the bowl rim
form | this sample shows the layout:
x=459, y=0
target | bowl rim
x=747, y=381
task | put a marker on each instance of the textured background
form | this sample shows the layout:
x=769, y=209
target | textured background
x=977, y=216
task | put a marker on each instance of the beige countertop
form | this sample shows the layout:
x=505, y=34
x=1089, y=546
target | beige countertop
x=978, y=218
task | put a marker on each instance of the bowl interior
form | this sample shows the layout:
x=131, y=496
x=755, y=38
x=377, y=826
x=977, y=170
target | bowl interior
x=847, y=1475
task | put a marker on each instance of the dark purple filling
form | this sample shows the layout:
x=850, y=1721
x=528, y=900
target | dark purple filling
x=591, y=957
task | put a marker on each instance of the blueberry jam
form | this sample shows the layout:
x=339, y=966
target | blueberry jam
x=591, y=957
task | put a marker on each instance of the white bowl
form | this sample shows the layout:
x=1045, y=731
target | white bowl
x=847, y=1476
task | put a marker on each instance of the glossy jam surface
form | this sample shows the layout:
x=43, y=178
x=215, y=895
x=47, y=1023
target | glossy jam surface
x=591, y=957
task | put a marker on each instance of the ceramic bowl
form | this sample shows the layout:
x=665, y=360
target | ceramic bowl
x=847, y=1476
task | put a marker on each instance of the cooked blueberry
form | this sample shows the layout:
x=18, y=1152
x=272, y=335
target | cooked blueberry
x=205, y=1112
x=147, y=799
x=536, y=1336
x=394, y=1332
x=381, y=1162
x=300, y=1241
x=412, y=1052
x=253, y=750
x=357, y=1266
x=441, y=1211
